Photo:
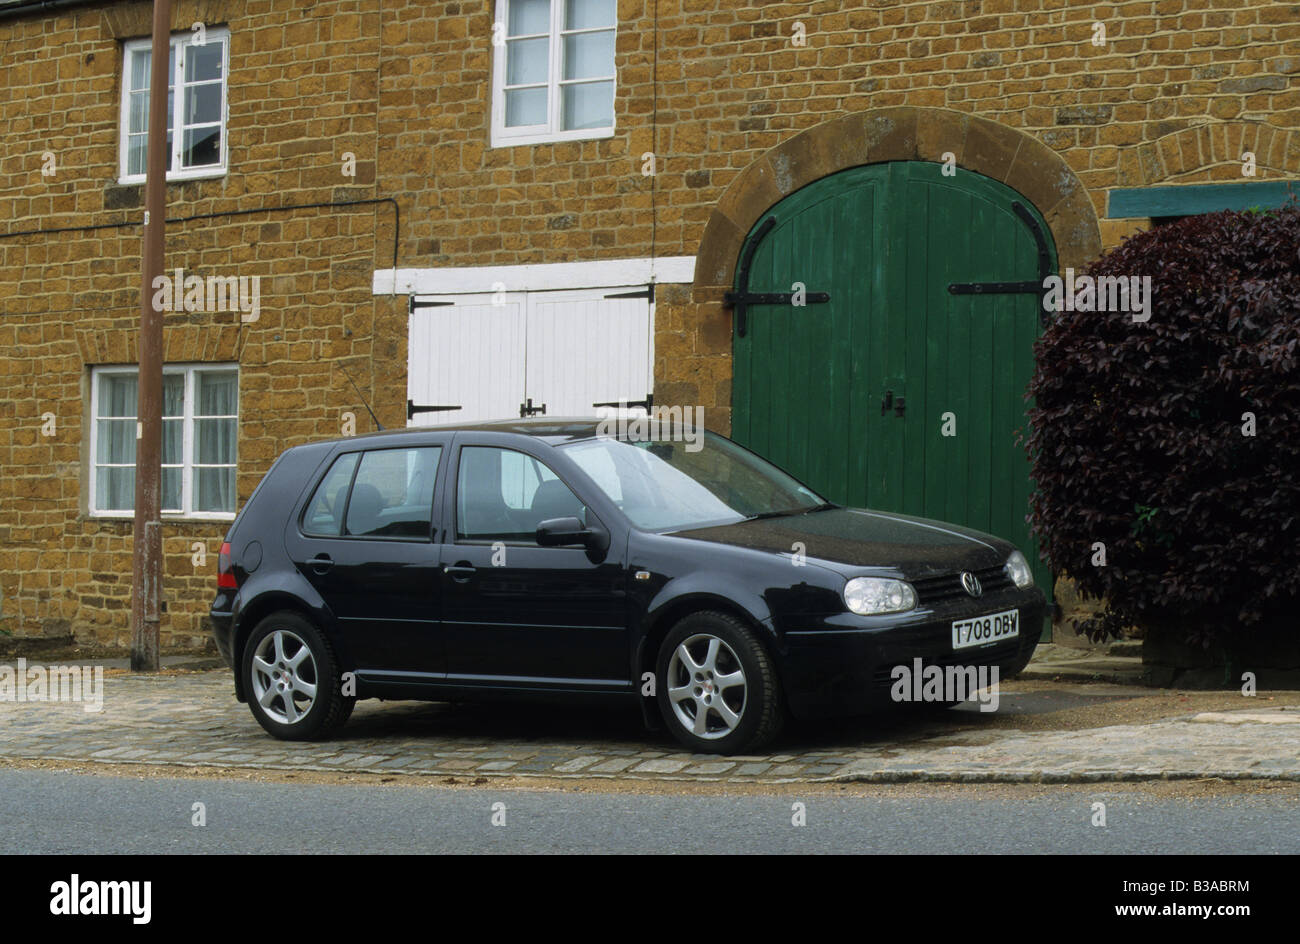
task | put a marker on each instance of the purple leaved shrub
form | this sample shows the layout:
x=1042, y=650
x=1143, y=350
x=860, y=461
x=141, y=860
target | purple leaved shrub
x=1173, y=445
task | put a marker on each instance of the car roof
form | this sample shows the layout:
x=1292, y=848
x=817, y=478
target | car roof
x=552, y=429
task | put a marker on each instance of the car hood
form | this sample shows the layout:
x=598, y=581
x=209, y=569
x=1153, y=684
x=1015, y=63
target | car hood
x=859, y=537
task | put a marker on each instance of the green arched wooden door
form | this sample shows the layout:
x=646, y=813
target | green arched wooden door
x=855, y=394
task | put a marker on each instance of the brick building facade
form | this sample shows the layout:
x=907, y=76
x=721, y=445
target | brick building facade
x=359, y=137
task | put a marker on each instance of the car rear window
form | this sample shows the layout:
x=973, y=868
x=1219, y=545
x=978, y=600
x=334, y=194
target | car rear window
x=325, y=510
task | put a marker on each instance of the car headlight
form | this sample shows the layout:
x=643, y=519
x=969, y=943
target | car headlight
x=1017, y=568
x=868, y=596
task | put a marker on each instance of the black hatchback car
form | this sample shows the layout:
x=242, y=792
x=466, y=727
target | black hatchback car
x=541, y=557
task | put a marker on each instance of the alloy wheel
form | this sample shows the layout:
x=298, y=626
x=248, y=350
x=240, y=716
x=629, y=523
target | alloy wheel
x=706, y=686
x=284, y=676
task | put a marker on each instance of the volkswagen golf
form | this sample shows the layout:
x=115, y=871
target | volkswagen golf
x=545, y=558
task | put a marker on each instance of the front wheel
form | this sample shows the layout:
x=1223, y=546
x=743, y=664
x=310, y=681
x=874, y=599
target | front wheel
x=718, y=690
x=292, y=679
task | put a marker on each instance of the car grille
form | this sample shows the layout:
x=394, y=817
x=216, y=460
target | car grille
x=948, y=586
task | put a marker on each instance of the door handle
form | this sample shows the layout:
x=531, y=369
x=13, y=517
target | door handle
x=899, y=406
x=887, y=402
x=459, y=572
x=321, y=563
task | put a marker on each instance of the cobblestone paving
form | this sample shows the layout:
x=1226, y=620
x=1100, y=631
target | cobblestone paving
x=193, y=720
x=1206, y=745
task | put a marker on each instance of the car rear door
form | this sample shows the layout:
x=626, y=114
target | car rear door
x=367, y=540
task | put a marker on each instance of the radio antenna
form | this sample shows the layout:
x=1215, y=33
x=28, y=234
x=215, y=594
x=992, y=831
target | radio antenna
x=379, y=426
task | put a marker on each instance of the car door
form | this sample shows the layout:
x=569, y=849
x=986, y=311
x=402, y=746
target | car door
x=367, y=541
x=515, y=613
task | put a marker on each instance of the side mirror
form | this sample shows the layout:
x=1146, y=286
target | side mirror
x=558, y=532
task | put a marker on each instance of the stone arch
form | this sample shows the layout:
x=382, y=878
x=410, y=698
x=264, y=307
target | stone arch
x=1210, y=153
x=902, y=133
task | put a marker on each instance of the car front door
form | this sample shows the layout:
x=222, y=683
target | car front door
x=517, y=614
x=367, y=541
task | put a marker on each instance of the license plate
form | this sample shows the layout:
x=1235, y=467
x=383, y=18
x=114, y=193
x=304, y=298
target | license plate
x=985, y=629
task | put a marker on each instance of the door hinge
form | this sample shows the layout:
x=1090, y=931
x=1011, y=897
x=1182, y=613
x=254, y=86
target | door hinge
x=742, y=298
x=1024, y=287
x=412, y=409
x=648, y=403
x=996, y=288
x=647, y=293
x=772, y=298
x=412, y=304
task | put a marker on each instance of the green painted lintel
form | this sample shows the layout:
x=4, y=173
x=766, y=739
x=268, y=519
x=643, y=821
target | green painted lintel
x=1191, y=199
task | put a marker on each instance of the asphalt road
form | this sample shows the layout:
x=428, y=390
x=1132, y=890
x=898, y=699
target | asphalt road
x=71, y=813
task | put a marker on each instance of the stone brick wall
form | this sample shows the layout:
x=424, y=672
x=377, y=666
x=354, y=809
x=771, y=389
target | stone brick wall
x=1177, y=92
x=301, y=92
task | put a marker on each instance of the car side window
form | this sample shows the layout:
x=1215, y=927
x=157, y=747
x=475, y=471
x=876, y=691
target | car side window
x=324, y=516
x=503, y=494
x=392, y=496
x=521, y=476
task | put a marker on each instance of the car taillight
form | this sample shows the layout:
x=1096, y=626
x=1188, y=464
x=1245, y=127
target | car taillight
x=225, y=573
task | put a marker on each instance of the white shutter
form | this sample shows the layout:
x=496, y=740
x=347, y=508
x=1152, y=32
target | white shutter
x=584, y=348
x=565, y=349
x=469, y=354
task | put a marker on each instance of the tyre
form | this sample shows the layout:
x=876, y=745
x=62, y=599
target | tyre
x=292, y=679
x=717, y=688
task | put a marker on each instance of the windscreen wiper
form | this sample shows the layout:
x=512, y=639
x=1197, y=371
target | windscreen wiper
x=824, y=506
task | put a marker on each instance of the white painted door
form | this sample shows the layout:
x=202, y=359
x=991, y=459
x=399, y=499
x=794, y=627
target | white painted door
x=469, y=355
x=585, y=348
x=565, y=349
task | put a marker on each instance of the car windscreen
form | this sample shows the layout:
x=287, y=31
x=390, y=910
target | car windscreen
x=664, y=485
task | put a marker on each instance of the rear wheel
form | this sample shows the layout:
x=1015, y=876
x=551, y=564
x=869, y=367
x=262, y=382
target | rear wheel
x=292, y=679
x=718, y=690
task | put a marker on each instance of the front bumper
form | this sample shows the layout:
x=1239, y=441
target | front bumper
x=843, y=664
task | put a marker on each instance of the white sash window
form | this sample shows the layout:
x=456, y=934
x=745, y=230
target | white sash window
x=553, y=77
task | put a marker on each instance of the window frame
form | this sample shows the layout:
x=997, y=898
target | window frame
x=188, y=465
x=178, y=41
x=434, y=500
x=453, y=473
x=319, y=484
x=550, y=133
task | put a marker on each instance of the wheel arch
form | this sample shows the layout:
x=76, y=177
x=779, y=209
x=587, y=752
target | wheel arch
x=770, y=712
x=258, y=609
x=667, y=615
